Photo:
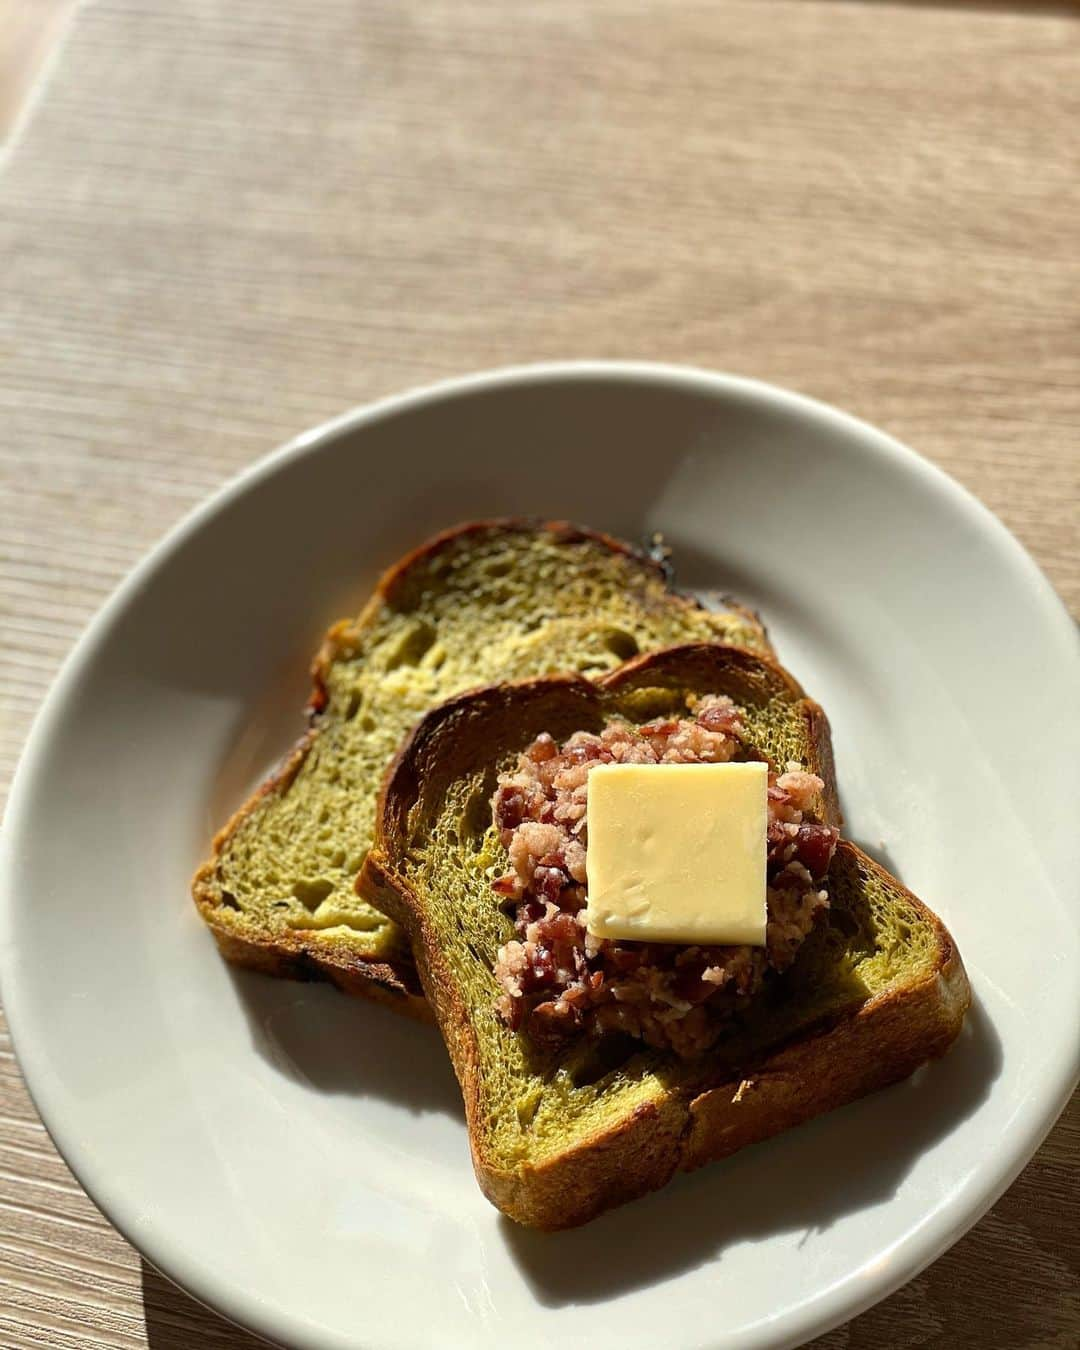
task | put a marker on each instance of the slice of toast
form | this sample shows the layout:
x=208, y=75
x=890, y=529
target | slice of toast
x=559, y=1134
x=483, y=602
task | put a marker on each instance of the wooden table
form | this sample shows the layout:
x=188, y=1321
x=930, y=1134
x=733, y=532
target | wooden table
x=228, y=220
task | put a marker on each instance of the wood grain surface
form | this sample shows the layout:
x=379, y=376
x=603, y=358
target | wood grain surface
x=228, y=220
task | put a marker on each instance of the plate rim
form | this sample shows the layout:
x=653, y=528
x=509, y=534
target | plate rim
x=813, y=1316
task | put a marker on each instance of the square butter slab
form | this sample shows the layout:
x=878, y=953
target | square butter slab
x=676, y=852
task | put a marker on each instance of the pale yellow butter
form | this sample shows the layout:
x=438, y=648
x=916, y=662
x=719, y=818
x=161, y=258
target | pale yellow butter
x=676, y=852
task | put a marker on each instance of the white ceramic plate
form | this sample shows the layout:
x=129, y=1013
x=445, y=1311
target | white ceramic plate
x=296, y=1159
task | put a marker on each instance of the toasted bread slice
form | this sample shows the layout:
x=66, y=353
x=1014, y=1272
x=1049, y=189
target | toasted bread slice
x=559, y=1134
x=483, y=602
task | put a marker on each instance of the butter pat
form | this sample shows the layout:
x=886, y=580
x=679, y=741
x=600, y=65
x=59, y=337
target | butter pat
x=676, y=852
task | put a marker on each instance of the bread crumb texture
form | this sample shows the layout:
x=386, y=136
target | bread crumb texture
x=486, y=604
x=537, y=1100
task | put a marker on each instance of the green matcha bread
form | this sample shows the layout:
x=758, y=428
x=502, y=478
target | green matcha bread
x=562, y=1127
x=483, y=602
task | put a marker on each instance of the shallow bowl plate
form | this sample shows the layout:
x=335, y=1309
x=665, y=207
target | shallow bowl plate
x=296, y=1159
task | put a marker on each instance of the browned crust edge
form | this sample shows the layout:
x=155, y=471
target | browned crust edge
x=295, y=954
x=738, y=659
x=289, y=956
x=881, y=1042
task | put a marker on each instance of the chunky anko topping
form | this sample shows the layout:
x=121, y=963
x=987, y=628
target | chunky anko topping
x=556, y=978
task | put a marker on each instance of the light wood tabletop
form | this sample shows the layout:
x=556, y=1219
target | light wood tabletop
x=225, y=221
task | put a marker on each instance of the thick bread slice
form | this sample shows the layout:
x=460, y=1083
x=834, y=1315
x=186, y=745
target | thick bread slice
x=559, y=1135
x=487, y=601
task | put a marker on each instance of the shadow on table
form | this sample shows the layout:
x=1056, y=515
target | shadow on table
x=849, y=1160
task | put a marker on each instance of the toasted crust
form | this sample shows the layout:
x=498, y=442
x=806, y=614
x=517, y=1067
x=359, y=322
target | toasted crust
x=881, y=1042
x=865, y=1047
x=712, y=665
x=738, y=664
x=287, y=955
x=384, y=983
x=299, y=954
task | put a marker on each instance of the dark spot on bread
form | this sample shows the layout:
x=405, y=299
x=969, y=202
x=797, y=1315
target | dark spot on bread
x=416, y=642
x=621, y=643
x=311, y=894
